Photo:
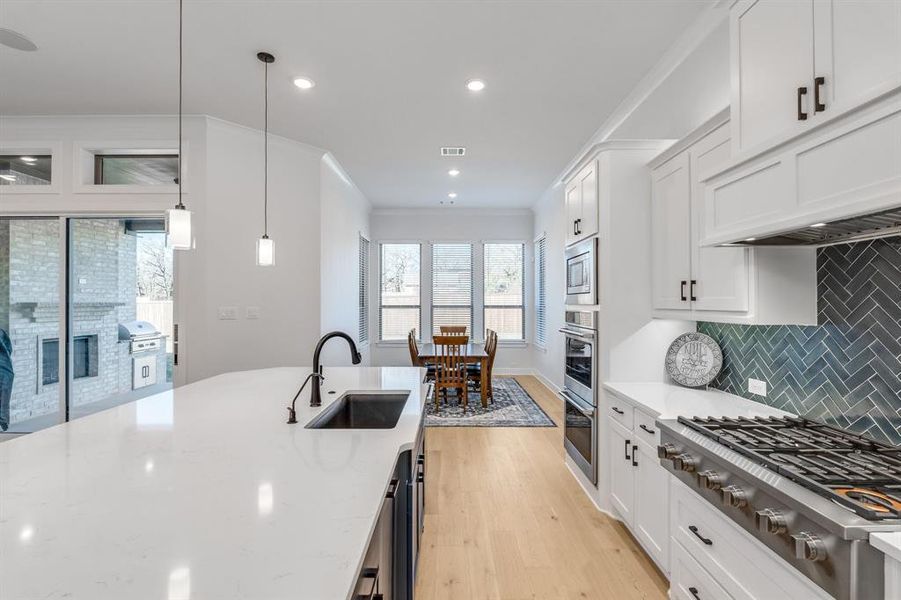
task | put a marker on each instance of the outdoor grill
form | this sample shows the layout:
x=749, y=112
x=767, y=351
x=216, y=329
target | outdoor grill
x=141, y=335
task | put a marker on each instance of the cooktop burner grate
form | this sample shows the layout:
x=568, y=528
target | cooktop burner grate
x=852, y=470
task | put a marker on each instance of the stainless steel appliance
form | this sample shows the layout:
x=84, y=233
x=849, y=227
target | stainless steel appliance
x=582, y=272
x=579, y=391
x=810, y=492
x=144, y=343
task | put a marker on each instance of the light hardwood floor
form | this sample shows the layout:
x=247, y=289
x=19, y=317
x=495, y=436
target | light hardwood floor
x=506, y=520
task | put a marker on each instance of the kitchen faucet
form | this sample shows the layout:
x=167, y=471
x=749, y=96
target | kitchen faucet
x=317, y=374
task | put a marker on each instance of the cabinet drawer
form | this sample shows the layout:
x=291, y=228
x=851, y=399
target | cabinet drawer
x=743, y=567
x=689, y=580
x=646, y=429
x=620, y=411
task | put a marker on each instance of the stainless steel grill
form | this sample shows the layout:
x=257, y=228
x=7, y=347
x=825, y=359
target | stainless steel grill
x=141, y=335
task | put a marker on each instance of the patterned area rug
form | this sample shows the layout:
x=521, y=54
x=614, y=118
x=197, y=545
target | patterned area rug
x=512, y=407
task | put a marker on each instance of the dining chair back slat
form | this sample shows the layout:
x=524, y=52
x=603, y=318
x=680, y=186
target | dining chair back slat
x=452, y=329
x=450, y=366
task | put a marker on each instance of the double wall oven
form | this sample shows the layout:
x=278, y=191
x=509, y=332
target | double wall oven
x=579, y=391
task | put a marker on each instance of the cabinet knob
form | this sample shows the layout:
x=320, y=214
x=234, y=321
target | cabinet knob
x=734, y=496
x=809, y=547
x=710, y=480
x=770, y=520
x=685, y=462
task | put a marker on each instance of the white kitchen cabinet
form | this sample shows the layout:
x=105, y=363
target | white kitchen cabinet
x=639, y=486
x=772, y=59
x=720, y=284
x=671, y=233
x=581, y=198
x=798, y=63
x=622, y=473
x=651, y=522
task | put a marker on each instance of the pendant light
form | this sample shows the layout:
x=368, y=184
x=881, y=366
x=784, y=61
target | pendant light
x=266, y=245
x=179, y=233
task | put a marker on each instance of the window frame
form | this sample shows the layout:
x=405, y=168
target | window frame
x=473, y=282
x=364, y=259
x=521, y=306
x=540, y=259
x=381, y=306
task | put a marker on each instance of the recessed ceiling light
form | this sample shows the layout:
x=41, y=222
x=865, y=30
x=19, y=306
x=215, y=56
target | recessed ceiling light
x=475, y=85
x=452, y=195
x=8, y=177
x=750, y=239
x=818, y=225
x=453, y=172
x=304, y=83
x=16, y=41
x=28, y=159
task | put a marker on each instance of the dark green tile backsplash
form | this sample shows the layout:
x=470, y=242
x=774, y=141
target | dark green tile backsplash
x=847, y=369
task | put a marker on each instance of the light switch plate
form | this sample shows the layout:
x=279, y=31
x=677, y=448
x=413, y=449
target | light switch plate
x=228, y=313
x=756, y=386
x=252, y=312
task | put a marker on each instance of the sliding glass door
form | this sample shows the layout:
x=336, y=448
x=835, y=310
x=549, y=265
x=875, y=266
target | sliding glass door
x=31, y=275
x=109, y=282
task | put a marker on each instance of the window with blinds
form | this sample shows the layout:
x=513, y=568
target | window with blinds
x=504, y=290
x=451, y=286
x=363, y=334
x=399, y=290
x=541, y=292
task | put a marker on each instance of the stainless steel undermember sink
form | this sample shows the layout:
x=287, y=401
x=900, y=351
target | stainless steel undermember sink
x=362, y=410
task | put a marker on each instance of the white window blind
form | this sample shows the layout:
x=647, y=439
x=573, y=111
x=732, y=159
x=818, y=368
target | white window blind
x=399, y=290
x=451, y=286
x=541, y=292
x=363, y=335
x=504, y=290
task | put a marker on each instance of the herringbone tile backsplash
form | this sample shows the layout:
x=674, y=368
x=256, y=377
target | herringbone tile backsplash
x=847, y=369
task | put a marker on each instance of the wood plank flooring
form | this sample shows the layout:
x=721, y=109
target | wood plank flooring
x=506, y=520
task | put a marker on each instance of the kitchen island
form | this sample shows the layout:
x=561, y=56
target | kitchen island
x=203, y=492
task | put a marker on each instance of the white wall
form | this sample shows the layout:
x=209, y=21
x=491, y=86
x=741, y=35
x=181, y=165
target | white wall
x=223, y=170
x=550, y=221
x=695, y=91
x=344, y=218
x=447, y=225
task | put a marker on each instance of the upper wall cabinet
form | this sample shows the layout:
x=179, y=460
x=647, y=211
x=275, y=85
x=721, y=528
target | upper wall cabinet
x=797, y=63
x=581, y=196
x=741, y=285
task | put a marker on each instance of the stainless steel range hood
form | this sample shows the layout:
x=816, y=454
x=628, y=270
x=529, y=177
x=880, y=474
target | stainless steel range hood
x=854, y=229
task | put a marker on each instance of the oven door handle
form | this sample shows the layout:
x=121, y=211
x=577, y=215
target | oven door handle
x=579, y=405
x=577, y=334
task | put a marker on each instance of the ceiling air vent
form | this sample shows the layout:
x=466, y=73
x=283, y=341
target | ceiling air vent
x=451, y=151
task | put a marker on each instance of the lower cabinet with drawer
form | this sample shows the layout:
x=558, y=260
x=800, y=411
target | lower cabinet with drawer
x=741, y=567
x=639, y=486
x=689, y=580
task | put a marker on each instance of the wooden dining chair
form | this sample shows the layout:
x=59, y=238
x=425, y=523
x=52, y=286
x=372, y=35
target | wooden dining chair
x=475, y=370
x=452, y=329
x=450, y=366
x=414, y=349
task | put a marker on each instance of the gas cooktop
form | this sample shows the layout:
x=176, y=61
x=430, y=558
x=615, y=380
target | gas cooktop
x=852, y=470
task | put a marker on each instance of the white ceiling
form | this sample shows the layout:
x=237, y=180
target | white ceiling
x=389, y=78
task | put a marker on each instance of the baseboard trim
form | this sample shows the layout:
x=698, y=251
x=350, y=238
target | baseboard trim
x=547, y=382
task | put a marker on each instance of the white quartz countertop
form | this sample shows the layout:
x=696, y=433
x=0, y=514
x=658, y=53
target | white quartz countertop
x=203, y=492
x=668, y=401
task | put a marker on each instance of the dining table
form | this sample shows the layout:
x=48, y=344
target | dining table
x=471, y=353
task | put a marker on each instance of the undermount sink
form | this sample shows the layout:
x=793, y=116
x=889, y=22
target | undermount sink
x=362, y=410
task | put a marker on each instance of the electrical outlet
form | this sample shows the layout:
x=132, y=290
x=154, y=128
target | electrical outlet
x=228, y=313
x=756, y=386
x=252, y=312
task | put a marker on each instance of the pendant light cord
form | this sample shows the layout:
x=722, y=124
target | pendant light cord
x=180, y=204
x=266, y=154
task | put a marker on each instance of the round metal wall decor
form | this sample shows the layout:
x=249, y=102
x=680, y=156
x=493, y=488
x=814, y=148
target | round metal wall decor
x=694, y=359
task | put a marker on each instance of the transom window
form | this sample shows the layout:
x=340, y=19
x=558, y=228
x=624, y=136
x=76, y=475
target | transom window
x=136, y=169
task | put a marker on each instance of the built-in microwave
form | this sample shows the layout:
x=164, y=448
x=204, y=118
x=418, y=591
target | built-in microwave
x=582, y=272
